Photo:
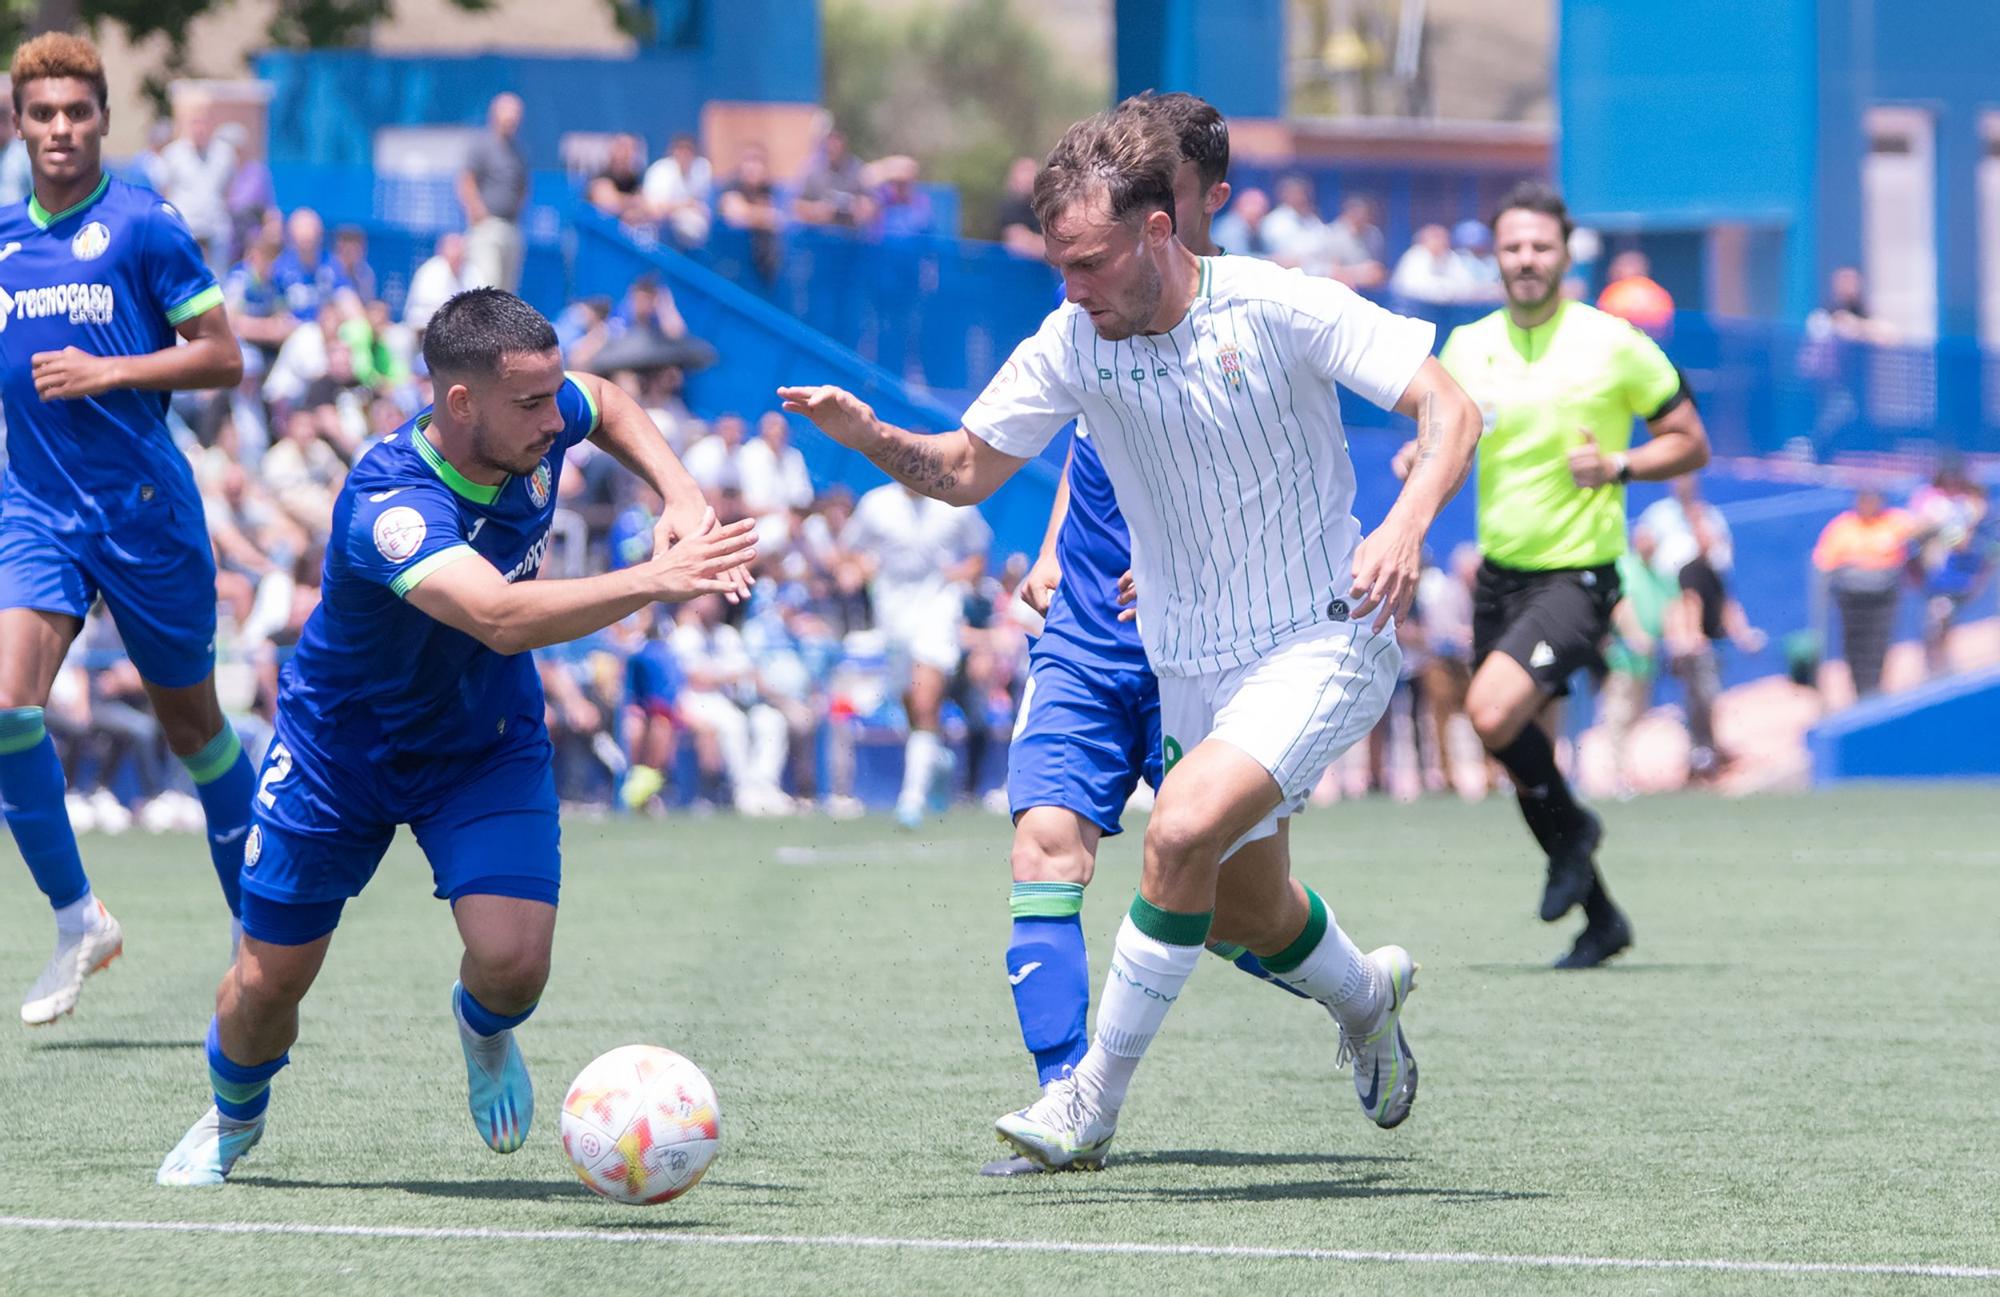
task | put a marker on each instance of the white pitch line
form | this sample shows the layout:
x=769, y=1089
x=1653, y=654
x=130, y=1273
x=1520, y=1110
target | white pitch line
x=866, y=1242
x=859, y=853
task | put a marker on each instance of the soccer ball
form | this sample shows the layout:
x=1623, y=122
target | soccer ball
x=641, y=1124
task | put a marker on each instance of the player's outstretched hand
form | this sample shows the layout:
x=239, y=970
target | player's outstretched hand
x=1038, y=588
x=1404, y=460
x=713, y=561
x=837, y=412
x=678, y=525
x=1128, y=597
x=69, y=374
x=1387, y=564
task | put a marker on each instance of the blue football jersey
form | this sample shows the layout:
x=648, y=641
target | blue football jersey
x=111, y=276
x=1094, y=549
x=307, y=288
x=376, y=679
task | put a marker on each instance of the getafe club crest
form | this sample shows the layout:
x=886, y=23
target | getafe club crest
x=538, y=484
x=1232, y=365
x=90, y=241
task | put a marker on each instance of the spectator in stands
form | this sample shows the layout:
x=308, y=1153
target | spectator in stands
x=253, y=538
x=750, y=202
x=902, y=210
x=301, y=361
x=17, y=178
x=1844, y=313
x=194, y=172
x=1862, y=555
x=713, y=460
x=1958, y=554
x=1639, y=627
x=1704, y=614
x=145, y=168
x=1293, y=230
x=257, y=307
x=350, y=253
x=791, y=655
x=437, y=280
x=1472, y=243
x=1444, y=611
x=616, y=190
x=1353, y=245
x=250, y=196
x=1633, y=295
x=653, y=684
x=680, y=192
x=1429, y=274
x=1240, y=230
x=745, y=737
x=834, y=189
x=310, y=280
x=303, y=473
x=493, y=189
x=1672, y=524
x=1020, y=228
x=772, y=471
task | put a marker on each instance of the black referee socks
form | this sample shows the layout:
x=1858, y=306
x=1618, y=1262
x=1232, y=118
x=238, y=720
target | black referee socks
x=1546, y=801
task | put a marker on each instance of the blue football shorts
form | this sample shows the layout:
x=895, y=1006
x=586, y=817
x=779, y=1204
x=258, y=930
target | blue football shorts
x=156, y=574
x=1084, y=738
x=488, y=824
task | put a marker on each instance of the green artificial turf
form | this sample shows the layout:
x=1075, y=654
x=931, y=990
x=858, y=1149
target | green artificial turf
x=1795, y=1064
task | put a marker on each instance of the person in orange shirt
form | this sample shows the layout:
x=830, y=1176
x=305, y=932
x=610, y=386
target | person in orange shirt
x=1863, y=554
x=1633, y=295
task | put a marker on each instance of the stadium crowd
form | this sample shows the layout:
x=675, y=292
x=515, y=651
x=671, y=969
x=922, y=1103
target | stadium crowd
x=784, y=703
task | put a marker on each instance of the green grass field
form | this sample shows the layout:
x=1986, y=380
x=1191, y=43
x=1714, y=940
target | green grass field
x=1796, y=1065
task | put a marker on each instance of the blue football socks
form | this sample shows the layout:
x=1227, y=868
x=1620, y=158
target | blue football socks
x=1049, y=970
x=224, y=782
x=31, y=793
x=242, y=1092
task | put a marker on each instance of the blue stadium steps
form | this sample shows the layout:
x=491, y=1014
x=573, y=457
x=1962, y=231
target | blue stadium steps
x=1941, y=730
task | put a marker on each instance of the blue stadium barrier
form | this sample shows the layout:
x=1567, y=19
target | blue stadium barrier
x=1940, y=730
x=764, y=348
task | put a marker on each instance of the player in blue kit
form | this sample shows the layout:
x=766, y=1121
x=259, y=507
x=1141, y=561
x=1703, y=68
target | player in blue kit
x=97, y=278
x=1089, y=727
x=412, y=699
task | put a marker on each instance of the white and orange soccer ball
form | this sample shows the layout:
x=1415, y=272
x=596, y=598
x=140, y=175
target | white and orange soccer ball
x=641, y=1124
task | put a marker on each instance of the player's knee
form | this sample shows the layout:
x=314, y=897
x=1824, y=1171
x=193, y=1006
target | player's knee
x=1049, y=858
x=1494, y=722
x=1179, y=838
x=265, y=984
x=510, y=980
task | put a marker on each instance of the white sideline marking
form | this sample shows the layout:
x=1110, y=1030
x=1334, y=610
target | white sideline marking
x=860, y=853
x=863, y=1241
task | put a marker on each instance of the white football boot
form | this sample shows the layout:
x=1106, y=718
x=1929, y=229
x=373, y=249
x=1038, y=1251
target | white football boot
x=77, y=957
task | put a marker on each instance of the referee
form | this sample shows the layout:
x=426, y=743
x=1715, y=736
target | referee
x=1559, y=384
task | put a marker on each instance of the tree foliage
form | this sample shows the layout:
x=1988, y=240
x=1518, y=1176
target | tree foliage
x=964, y=88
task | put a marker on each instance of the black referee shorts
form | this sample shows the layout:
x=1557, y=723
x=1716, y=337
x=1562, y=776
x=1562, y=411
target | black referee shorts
x=1552, y=623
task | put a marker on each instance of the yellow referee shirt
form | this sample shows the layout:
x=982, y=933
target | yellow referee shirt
x=1538, y=390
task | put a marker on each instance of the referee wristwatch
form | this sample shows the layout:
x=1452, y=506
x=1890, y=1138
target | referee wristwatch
x=1624, y=472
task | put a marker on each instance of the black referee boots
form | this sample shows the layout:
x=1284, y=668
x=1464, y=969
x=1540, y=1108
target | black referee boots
x=1572, y=867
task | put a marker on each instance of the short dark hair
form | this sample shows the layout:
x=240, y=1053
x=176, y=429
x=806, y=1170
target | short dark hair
x=1196, y=123
x=475, y=328
x=1132, y=155
x=1535, y=196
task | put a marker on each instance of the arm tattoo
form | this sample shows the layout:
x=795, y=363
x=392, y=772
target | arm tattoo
x=1427, y=433
x=912, y=462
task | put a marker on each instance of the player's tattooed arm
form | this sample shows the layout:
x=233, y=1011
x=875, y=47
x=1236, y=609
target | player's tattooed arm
x=955, y=467
x=1389, y=560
